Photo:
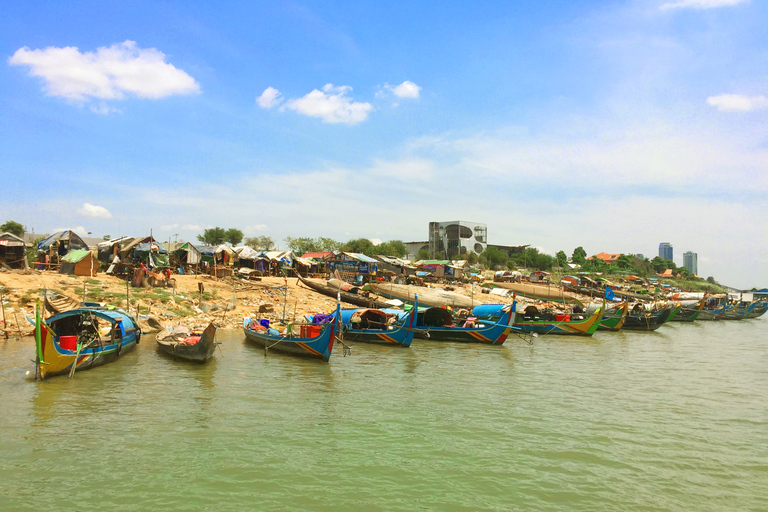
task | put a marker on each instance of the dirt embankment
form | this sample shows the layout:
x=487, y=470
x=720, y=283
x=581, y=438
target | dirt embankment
x=226, y=300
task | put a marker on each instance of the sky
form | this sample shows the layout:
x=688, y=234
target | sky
x=613, y=126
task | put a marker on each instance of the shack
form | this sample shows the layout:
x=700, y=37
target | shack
x=13, y=251
x=396, y=266
x=186, y=257
x=51, y=250
x=354, y=263
x=248, y=257
x=319, y=261
x=218, y=260
x=151, y=254
x=80, y=262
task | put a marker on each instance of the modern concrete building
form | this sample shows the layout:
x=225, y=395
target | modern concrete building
x=665, y=251
x=456, y=238
x=691, y=262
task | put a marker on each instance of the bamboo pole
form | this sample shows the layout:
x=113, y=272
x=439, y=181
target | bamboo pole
x=5, y=324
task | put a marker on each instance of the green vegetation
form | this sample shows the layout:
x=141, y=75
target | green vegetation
x=217, y=236
x=301, y=245
x=260, y=243
x=13, y=227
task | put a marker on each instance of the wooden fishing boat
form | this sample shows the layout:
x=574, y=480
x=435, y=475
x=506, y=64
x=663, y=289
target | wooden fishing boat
x=82, y=338
x=58, y=303
x=530, y=320
x=181, y=342
x=688, y=313
x=541, y=292
x=317, y=346
x=376, y=326
x=429, y=297
x=675, y=310
x=738, y=311
x=613, y=319
x=638, y=319
x=759, y=310
x=349, y=296
x=436, y=324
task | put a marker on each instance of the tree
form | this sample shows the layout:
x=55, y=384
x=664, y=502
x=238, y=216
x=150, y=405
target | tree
x=495, y=257
x=660, y=264
x=423, y=254
x=624, y=261
x=471, y=258
x=260, y=243
x=579, y=255
x=213, y=236
x=328, y=244
x=13, y=227
x=392, y=248
x=711, y=280
x=562, y=259
x=233, y=235
x=360, y=245
x=302, y=244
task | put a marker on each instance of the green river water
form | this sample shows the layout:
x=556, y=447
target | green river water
x=675, y=420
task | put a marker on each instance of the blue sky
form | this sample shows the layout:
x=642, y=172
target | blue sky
x=609, y=125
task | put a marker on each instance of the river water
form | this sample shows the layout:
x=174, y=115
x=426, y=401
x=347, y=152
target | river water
x=675, y=420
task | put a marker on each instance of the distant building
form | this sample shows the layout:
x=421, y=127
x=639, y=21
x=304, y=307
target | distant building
x=691, y=262
x=665, y=251
x=413, y=249
x=608, y=258
x=456, y=238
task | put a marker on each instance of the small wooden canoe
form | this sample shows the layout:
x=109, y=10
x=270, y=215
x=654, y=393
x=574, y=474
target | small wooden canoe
x=429, y=297
x=541, y=292
x=181, y=342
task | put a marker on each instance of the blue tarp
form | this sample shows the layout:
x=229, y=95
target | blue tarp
x=73, y=239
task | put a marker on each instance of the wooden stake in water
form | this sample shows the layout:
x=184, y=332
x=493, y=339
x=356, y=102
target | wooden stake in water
x=5, y=324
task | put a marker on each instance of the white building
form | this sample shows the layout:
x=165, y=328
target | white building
x=456, y=238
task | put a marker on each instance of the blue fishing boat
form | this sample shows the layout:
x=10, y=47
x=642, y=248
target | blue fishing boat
x=376, y=326
x=438, y=324
x=309, y=343
x=761, y=306
x=82, y=338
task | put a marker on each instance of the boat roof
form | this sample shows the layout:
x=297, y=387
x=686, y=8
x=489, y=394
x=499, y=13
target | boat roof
x=111, y=315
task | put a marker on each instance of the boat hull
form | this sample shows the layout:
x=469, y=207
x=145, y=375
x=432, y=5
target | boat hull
x=199, y=352
x=490, y=334
x=647, y=322
x=61, y=334
x=583, y=327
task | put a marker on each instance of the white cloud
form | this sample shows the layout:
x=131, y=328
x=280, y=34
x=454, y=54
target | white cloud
x=108, y=73
x=91, y=210
x=332, y=105
x=169, y=227
x=375, y=241
x=701, y=4
x=256, y=228
x=104, y=109
x=404, y=90
x=737, y=102
x=191, y=227
x=271, y=97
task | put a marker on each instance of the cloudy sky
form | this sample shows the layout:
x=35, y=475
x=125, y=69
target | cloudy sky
x=609, y=125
